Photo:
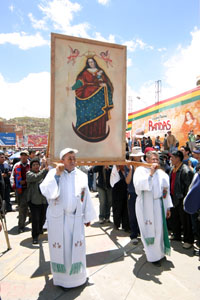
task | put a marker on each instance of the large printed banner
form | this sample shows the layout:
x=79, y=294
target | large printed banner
x=88, y=98
x=7, y=139
x=37, y=140
x=180, y=114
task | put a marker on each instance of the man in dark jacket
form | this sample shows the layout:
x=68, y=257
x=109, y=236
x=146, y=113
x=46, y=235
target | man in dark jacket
x=180, y=179
x=37, y=202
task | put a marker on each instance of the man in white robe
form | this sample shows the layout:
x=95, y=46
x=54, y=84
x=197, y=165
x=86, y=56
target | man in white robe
x=70, y=207
x=152, y=208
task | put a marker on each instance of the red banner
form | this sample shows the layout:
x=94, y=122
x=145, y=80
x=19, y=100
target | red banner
x=37, y=140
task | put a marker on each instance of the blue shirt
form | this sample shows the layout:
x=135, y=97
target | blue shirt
x=193, y=160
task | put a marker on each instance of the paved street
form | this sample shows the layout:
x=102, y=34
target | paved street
x=117, y=270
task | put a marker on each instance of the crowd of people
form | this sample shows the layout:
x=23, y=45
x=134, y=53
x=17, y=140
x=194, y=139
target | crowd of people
x=145, y=197
x=21, y=175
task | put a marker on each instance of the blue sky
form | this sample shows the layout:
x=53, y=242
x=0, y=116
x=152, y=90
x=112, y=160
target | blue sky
x=162, y=38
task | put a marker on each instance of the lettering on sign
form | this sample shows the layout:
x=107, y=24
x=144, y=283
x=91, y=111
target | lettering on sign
x=159, y=125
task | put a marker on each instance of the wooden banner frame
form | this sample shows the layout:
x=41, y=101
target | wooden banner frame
x=135, y=164
x=61, y=130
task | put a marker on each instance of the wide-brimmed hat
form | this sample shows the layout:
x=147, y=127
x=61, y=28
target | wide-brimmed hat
x=136, y=151
x=67, y=150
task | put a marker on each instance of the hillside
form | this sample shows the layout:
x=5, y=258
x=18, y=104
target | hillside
x=31, y=125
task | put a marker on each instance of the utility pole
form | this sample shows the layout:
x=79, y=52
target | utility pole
x=157, y=90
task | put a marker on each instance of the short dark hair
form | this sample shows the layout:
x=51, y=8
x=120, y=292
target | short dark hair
x=187, y=149
x=33, y=161
x=31, y=151
x=179, y=154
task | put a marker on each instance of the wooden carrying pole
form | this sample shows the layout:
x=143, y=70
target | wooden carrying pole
x=105, y=163
x=3, y=221
x=118, y=163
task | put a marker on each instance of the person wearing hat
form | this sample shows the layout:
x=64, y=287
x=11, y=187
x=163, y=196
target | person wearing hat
x=136, y=155
x=147, y=149
x=152, y=208
x=66, y=190
x=180, y=179
x=19, y=184
x=37, y=202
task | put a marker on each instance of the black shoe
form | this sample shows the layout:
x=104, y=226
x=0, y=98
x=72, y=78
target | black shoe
x=116, y=227
x=66, y=289
x=9, y=210
x=175, y=238
x=126, y=230
x=20, y=230
x=156, y=263
x=35, y=241
x=163, y=259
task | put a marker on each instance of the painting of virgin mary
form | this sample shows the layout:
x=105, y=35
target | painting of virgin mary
x=93, y=100
x=88, y=98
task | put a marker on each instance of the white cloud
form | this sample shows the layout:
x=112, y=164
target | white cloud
x=99, y=37
x=183, y=67
x=38, y=24
x=61, y=14
x=28, y=97
x=11, y=8
x=132, y=45
x=180, y=73
x=22, y=40
x=162, y=49
x=103, y=2
x=79, y=30
x=59, y=11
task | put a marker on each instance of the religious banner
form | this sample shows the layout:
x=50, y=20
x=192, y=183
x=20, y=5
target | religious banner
x=36, y=140
x=179, y=114
x=88, y=97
